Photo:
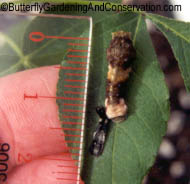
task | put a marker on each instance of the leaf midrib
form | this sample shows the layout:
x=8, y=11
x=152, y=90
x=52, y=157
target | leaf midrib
x=117, y=126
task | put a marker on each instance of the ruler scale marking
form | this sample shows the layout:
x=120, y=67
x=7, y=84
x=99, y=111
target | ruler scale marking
x=72, y=83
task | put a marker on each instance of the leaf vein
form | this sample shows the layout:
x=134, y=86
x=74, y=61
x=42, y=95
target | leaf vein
x=146, y=125
x=134, y=143
x=188, y=71
x=169, y=28
x=12, y=45
x=137, y=28
x=154, y=97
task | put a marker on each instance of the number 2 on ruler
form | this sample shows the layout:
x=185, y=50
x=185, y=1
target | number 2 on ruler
x=24, y=158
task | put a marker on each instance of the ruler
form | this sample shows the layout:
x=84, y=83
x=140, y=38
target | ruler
x=75, y=73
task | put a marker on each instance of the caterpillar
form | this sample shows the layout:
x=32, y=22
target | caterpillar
x=120, y=55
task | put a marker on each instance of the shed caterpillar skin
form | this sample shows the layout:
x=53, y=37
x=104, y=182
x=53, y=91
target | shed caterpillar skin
x=99, y=135
x=120, y=54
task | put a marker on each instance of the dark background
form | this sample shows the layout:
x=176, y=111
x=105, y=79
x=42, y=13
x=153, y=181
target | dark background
x=172, y=165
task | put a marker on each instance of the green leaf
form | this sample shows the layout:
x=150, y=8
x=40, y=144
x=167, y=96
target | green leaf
x=131, y=146
x=11, y=55
x=178, y=35
x=21, y=53
x=51, y=51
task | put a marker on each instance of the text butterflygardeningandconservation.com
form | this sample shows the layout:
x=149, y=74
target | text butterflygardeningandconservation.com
x=84, y=8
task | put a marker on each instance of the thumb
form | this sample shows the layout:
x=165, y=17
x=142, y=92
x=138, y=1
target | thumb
x=25, y=126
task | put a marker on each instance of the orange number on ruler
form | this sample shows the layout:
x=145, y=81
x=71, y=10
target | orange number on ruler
x=26, y=158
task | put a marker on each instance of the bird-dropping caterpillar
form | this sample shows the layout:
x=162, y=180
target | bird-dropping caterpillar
x=119, y=56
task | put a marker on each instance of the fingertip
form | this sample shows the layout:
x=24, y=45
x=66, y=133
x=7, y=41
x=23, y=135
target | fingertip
x=58, y=169
x=25, y=124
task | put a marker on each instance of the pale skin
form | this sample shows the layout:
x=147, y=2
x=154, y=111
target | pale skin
x=37, y=154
